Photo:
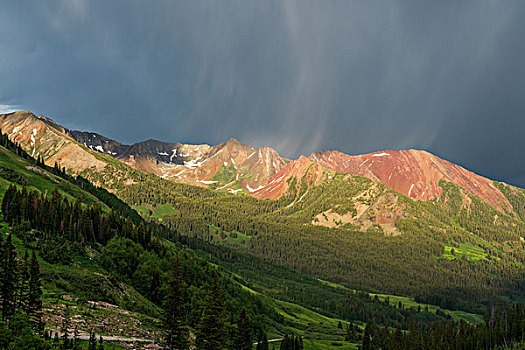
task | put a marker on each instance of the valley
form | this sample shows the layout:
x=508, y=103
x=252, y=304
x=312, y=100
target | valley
x=308, y=246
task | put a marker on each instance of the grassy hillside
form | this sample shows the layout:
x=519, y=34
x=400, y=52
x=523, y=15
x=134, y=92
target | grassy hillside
x=14, y=169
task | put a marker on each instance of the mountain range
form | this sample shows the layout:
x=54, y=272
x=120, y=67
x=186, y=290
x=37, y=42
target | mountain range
x=236, y=167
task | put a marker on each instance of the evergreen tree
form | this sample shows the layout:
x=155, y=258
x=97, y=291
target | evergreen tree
x=297, y=343
x=262, y=343
x=243, y=336
x=367, y=341
x=7, y=278
x=396, y=343
x=23, y=281
x=75, y=338
x=211, y=330
x=287, y=343
x=100, y=343
x=92, y=345
x=34, y=300
x=177, y=334
x=65, y=328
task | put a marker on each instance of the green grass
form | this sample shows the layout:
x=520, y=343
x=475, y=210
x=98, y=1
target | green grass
x=41, y=180
x=412, y=303
x=309, y=323
x=467, y=250
x=235, y=238
x=311, y=344
x=157, y=211
x=225, y=174
x=319, y=344
x=300, y=320
x=107, y=346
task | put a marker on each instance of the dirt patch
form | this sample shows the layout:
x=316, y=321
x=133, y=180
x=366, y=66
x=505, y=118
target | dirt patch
x=371, y=207
x=104, y=319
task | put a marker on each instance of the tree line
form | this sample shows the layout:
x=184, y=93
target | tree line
x=501, y=330
x=20, y=296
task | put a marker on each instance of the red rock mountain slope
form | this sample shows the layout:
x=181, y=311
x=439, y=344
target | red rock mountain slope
x=302, y=168
x=414, y=173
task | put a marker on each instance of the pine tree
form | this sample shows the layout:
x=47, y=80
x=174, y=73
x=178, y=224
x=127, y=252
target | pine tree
x=34, y=300
x=75, y=338
x=211, y=330
x=8, y=278
x=92, y=341
x=262, y=343
x=296, y=343
x=65, y=328
x=23, y=284
x=100, y=343
x=177, y=334
x=6, y=201
x=301, y=345
x=396, y=343
x=366, y=338
x=243, y=336
x=286, y=343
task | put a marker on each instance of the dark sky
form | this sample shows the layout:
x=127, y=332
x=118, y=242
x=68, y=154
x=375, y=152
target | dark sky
x=300, y=76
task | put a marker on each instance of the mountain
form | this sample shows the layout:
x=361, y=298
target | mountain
x=237, y=167
x=230, y=165
x=99, y=143
x=40, y=136
x=280, y=184
x=413, y=173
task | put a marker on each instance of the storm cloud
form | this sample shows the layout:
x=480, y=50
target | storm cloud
x=300, y=76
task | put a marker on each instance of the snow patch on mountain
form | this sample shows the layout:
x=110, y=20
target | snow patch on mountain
x=382, y=154
x=193, y=163
x=410, y=191
x=207, y=182
x=253, y=189
x=174, y=154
